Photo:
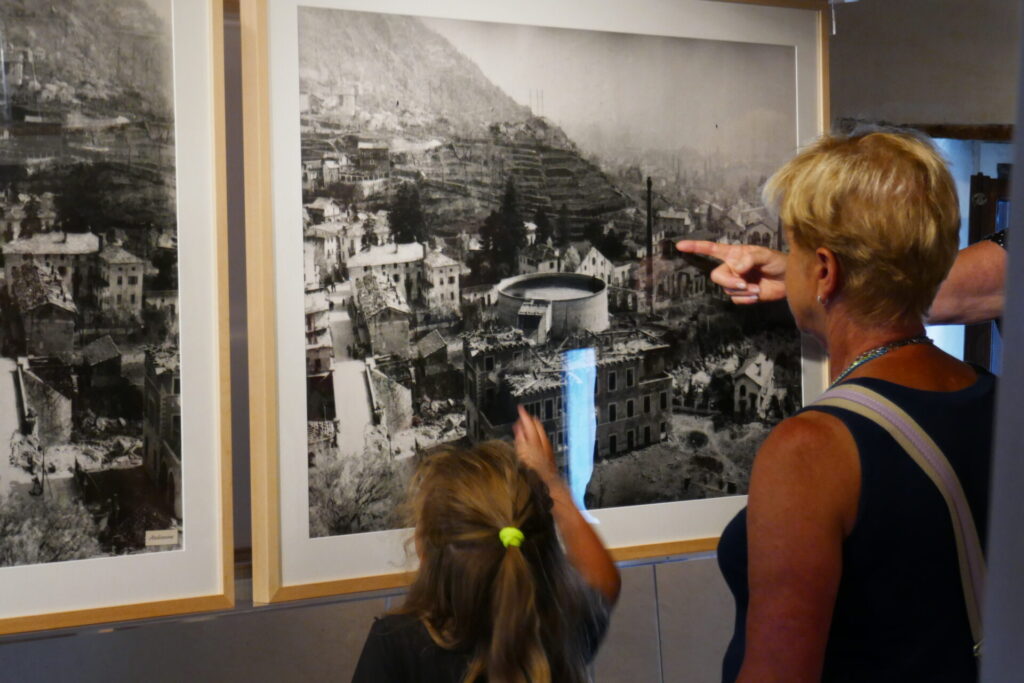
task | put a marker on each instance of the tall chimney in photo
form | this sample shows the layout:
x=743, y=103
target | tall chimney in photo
x=650, y=250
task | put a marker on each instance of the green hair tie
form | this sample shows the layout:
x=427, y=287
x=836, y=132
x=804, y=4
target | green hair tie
x=511, y=536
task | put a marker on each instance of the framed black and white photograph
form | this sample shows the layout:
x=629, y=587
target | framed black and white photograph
x=476, y=210
x=112, y=494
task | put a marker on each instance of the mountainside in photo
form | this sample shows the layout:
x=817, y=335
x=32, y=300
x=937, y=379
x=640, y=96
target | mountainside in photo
x=402, y=72
x=102, y=58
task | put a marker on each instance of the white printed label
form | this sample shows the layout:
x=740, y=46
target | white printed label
x=162, y=537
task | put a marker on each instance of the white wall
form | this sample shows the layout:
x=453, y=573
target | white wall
x=925, y=61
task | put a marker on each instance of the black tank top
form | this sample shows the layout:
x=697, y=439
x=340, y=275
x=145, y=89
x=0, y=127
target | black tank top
x=900, y=612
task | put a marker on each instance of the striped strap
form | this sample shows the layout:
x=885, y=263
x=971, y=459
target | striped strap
x=926, y=453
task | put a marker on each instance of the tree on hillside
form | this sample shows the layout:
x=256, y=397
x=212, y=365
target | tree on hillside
x=166, y=262
x=544, y=228
x=79, y=204
x=406, y=215
x=31, y=224
x=593, y=232
x=509, y=208
x=504, y=233
x=563, y=227
x=612, y=245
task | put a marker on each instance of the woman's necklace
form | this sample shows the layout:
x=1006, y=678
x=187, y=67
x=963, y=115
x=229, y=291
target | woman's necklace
x=874, y=353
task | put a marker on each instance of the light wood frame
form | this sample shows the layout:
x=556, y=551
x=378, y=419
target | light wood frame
x=269, y=584
x=215, y=589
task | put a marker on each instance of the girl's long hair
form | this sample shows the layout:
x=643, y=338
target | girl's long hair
x=518, y=612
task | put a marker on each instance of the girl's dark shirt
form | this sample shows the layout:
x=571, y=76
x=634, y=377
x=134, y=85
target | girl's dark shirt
x=399, y=649
x=899, y=613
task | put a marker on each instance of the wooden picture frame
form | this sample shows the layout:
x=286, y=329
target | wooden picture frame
x=186, y=438
x=288, y=563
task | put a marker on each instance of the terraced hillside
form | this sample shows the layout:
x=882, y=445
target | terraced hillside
x=475, y=171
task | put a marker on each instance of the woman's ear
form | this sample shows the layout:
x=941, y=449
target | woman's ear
x=826, y=274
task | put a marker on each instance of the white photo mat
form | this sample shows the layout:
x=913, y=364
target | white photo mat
x=196, y=571
x=304, y=560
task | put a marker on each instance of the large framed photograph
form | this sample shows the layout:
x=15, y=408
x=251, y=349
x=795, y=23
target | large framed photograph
x=457, y=209
x=114, y=427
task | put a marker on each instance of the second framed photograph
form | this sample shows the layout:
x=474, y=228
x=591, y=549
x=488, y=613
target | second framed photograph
x=454, y=213
x=115, y=499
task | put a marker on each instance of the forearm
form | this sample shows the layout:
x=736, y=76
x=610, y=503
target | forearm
x=973, y=290
x=583, y=546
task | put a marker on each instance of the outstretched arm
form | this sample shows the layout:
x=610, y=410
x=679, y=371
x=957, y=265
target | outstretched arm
x=748, y=274
x=973, y=290
x=972, y=293
x=583, y=547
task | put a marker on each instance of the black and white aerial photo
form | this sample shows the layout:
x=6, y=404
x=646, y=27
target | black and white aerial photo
x=90, y=417
x=475, y=206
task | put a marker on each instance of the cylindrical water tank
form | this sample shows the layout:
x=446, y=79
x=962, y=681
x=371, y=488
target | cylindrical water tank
x=578, y=302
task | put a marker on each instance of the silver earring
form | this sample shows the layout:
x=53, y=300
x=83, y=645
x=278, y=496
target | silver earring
x=823, y=302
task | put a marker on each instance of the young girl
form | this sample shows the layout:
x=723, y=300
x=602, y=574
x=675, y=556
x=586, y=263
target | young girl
x=496, y=598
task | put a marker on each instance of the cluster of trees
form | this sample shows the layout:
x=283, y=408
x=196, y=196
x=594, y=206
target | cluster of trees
x=607, y=242
x=408, y=222
x=42, y=531
x=357, y=494
x=559, y=232
x=503, y=232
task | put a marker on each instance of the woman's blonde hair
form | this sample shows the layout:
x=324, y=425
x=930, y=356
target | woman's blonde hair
x=886, y=205
x=517, y=610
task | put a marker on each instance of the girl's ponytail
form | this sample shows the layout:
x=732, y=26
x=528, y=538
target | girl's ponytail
x=516, y=653
x=515, y=608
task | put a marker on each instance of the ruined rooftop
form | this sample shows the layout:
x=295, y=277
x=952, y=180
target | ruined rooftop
x=544, y=370
x=759, y=369
x=316, y=301
x=320, y=430
x=47, y=243
x=115, y=255
x=163, y=358
x=431, y=343
x=523, y=384
x=375, y=293
x=386, y=255
x=34, y=285
x=322, y=204
x=494, y=339
x=100, y=350
x=436, y=259
x=53, y=372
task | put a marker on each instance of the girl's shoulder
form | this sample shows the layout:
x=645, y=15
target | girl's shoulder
x=399, y=648
x=392, y=624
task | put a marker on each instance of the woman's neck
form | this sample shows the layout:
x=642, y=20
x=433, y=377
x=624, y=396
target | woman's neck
x=847, y=338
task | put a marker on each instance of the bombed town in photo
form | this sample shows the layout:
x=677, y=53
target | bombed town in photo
x=89, y=366
x=476, y=206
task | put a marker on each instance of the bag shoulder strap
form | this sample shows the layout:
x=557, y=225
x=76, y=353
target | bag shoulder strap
x=929, y=457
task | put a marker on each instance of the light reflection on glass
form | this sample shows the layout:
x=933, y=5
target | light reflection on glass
x=579, y=370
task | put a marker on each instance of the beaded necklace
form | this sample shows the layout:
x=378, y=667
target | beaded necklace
x=874, y=353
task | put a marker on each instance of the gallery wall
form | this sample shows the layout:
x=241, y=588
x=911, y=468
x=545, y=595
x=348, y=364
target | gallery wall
x=925, y=61
x=948, y=61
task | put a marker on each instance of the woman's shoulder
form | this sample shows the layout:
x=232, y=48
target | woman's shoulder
x=808, y=448
x=805, y=439
x=808, y=461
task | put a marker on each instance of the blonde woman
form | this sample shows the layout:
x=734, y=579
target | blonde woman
x=496, y=598
x=844, y=565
